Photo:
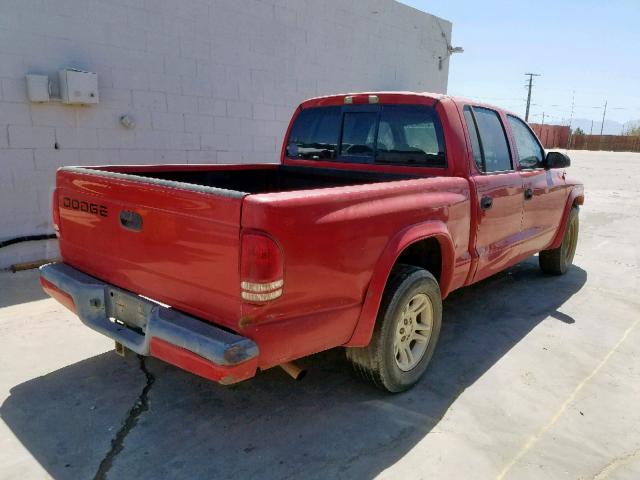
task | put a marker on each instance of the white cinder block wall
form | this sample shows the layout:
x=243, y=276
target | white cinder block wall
x=207, y=81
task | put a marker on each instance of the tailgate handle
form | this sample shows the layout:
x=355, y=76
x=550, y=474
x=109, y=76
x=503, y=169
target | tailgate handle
x=131, y=220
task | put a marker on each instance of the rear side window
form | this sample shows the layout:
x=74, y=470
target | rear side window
x=475, y=141
x=494, y=149
x=530, y=153
x=315, y=134
x=410, y=135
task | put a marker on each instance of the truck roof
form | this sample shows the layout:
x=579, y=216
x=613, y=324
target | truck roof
x=428, y=98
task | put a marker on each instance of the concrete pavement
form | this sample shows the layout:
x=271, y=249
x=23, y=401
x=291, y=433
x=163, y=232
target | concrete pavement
x=534, y=377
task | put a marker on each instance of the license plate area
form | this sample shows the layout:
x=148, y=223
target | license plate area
x=126, y=308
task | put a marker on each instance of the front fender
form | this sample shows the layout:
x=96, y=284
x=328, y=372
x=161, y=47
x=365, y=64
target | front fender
x=436, y=229
x=576, y=197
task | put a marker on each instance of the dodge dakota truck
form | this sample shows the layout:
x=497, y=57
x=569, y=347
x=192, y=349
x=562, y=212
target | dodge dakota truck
x=381, y=205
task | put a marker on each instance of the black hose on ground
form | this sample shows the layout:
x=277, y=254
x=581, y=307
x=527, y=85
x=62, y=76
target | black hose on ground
x=27, y=238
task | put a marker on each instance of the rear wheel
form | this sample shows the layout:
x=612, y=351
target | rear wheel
x=406, y=331
x=558, y=260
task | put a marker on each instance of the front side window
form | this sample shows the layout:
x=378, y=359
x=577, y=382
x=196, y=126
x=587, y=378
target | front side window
x=530, y=152
x=493, y=141
x=409, y=135
x=314, y=135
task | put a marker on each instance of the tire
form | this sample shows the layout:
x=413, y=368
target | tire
x=385, y=362
x=558, y=260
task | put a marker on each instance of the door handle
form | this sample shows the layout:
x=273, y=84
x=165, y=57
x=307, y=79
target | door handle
x=528, y=194
x=486, y=203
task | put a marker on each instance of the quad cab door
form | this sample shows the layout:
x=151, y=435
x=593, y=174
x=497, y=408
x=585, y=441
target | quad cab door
x=545, y=192
x=499, y=190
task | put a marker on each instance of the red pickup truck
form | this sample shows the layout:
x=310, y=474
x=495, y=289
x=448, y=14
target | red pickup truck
x=381, y=205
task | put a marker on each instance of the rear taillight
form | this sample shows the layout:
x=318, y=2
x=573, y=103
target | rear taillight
x=261, y=268
x=55, y=208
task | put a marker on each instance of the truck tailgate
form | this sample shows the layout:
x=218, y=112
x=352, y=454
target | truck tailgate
x=174, y=243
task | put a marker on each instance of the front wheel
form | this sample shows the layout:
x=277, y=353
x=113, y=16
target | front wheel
x=558, y=260
x=406, y=331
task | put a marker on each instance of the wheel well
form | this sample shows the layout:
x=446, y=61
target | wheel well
x=425, y=254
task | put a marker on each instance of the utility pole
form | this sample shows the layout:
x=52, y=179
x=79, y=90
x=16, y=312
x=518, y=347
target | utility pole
x=591, y=131
x=573, y=98
x=604, y=113
x=531, y=75
x=542, y=118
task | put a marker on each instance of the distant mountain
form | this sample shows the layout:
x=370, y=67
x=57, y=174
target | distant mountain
x=611, y=127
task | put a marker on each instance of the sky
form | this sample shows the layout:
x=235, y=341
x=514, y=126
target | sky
x=587, y=52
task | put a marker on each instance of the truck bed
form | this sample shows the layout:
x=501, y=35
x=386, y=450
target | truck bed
x=184, y=248
x=265, y=178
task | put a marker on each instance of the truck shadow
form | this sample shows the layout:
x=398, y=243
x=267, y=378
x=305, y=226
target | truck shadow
x=20, y=287
x=330, y=425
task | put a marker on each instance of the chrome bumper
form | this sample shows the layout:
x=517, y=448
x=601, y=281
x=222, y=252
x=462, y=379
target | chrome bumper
x=98, y=304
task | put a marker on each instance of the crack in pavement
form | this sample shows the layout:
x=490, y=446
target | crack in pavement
x=140, y=406
x=616, y=462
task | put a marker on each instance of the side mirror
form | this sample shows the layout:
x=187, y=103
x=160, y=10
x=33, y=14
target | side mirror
x=556, y=160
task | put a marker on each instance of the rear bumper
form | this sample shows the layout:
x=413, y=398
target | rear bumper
x=191, y=344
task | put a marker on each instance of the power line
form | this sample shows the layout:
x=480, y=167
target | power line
x=531, y=75
x=554, y=110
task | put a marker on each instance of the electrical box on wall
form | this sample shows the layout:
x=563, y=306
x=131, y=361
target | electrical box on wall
x=78, y=87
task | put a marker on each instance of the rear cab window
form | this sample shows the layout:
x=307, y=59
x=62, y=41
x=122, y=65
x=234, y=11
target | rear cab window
x=359, y=133
x=403, y=135
x=410, y=135
x=315, y=134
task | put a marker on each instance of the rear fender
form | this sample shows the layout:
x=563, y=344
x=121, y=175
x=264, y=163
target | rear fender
x=436, y=229
x=576, y=197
